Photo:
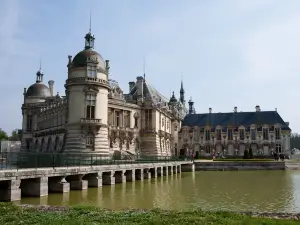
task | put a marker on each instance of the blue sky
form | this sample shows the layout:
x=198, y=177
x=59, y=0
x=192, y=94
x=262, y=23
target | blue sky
x=231, y=52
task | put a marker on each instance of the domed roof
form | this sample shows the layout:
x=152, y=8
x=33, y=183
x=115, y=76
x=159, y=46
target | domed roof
x=88, y=54
x=38, y=90
x=173, y=99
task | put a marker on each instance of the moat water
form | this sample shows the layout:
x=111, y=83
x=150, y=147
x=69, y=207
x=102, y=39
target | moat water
x=273, y=191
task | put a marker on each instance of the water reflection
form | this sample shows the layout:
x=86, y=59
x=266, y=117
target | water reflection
x=232, y=190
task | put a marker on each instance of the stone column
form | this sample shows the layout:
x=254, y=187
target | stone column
x=147, y=174
x=108, y=178
x=130, y=175
x=94, y=179
x=58, y=184
x=76, y=182
x=139, y=175
x=12, y=192
x=35, y=187
x=120, y=176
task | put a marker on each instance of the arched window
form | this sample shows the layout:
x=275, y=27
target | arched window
x=56, y=144
x=278, y=148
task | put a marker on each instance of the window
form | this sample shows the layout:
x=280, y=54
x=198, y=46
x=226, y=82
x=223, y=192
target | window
x=92, y=71
x=230, y=136
x=29, y=123
x=242, y=134
x=136, y=122
x=207, y=149
x=207, y=135
x=90, y=140
x=90, y=106
x=219, y=135
x=277, y=133
x=117, y=119
x=126, y=119
x=265, y=134
x=253, y=134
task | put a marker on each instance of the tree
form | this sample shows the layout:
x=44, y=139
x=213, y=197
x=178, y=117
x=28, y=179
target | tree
x=246, y=154
x=3, y=135
x=14, y=135
x=250, y=153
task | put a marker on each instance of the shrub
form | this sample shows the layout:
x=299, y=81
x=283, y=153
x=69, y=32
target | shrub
x=246, y=154
x=197, y=156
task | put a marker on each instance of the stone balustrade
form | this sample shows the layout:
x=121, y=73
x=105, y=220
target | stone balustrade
x=41, y=181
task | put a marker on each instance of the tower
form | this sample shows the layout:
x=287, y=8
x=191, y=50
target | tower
x=87, y=93
x=191, y=106
x=182, y=94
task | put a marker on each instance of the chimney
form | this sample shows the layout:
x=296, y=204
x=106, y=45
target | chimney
x=131, y=85
x=235, y=109
x=210, y=109
x=257, y=108
x=51, y=83
x=140, y=89
x=107, y=67
x=70, y=60
x=276, y=109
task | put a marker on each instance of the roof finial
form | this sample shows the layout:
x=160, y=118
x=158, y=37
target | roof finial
x=41, y=61
x=90, y=21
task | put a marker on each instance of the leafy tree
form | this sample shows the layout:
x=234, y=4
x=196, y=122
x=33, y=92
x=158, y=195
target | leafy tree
x=3, y=135
x=14, y=135
x=246, y=154
x=250, y=153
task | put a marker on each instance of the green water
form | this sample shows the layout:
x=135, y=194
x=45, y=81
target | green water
x=232, y=190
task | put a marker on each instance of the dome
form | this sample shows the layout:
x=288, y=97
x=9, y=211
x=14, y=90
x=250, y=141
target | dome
x=173, y=98
x=38, y=90
x=88, y=54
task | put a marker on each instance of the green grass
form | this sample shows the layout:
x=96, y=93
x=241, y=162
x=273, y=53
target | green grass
x=243, y=160
x=12, y=214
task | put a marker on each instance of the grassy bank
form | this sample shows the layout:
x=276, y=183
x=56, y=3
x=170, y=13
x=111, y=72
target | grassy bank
x=12, y=214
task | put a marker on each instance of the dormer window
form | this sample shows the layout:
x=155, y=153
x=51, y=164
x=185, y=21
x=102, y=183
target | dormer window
x=277, y=133
x=242, y=134
x=207, y=135
x=265, y=134
x=229, y=135
x=92, y=71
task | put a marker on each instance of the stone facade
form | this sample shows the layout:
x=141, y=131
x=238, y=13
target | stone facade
x=96, y=116
x=230, y=134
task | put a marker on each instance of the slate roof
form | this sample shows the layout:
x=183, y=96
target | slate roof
x=235, y=119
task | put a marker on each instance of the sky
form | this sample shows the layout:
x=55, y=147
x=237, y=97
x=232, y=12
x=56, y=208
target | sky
x=227, y=52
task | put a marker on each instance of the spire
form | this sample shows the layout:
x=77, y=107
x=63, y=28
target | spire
x=39, y=73
x=144, y=68
x=89, y=38
x=182, y=93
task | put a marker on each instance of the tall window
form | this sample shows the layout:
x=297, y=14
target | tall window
x=253, y=134
x=136, y=122
x=148, y=118
x=277, y=133
x=242, y=134
x=207, y=135
x=90, y=140
x=92, y=71
x=29, y=123
x=230, y=136
x=219, y=135
x=117, y=119
x=90, y=106
x=265, y=133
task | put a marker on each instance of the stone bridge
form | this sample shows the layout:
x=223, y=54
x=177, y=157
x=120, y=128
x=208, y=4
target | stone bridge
x=41, y=181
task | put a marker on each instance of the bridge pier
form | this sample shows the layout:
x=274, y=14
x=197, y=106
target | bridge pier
x=120, y=176
x=58, y=184
x=94, y=179
x=147, y=174
x=35, y=187
x=10, y=190
x=159, y=171
x=165, y=171
x=130, y=175
x=170, y=170
x=139, y=175
x=108, y=178
x=153, y=172
x=76, y=182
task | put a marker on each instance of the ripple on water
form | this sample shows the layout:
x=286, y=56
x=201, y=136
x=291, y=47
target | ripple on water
x=227, y=190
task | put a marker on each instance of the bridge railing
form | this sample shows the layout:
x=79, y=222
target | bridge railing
x=20, y=160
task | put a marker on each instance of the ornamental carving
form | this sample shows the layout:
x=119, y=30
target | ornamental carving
x=136, y=115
